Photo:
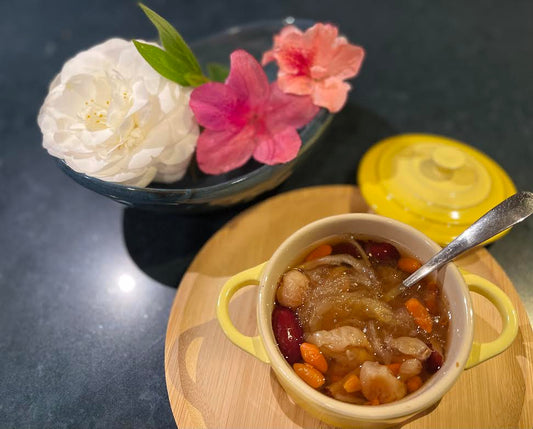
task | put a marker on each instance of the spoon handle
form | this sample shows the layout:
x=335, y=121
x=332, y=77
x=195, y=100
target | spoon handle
x=506, y=214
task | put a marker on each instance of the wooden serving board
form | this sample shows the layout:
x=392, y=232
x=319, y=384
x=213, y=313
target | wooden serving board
x=212, y=383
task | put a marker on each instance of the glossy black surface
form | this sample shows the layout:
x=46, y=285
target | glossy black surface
x=86, y=286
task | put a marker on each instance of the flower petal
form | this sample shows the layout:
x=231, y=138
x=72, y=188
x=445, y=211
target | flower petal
x=217, y=107
x=321, y=38
x=346, y=61
x=268, y=56
x=143, y=157
x=221, y=151
x=288, y=111
x=316, y=62
x=175, y=166
x=277, y=148
x=248, y=79
x=287, y=37
x=331, y=93
x=110, y=115
x=299, y=85
x=294, y=58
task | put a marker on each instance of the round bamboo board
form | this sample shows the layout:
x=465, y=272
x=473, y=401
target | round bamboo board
x=212, y=383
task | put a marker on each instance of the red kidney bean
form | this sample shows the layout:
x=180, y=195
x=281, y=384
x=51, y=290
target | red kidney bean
x=382, y=251
x=288, y=333
x=433, y=362
x=345, y=248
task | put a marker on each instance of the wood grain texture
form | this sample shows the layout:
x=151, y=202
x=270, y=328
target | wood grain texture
x=212, y=383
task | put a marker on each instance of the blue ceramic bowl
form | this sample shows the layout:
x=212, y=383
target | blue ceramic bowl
x=198, y=192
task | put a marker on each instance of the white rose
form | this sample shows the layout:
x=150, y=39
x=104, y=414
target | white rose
x=110, y=115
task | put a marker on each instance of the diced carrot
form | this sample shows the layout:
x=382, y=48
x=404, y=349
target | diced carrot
x=313, y=356
x=395, y=368
x=319, y=252
x=374, y=401
x=414, y=383
x=308, y=373
x=420, y=314
x=352, y=384
x=408, y=265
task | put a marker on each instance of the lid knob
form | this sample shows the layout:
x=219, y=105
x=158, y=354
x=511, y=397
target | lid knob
x=448, y=158
x=436, y=184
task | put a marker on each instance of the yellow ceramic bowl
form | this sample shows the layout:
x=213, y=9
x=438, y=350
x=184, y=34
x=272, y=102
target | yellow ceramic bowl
x=462, y=351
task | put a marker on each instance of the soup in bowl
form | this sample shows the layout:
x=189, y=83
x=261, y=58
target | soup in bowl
x=343, y=321
x=345, y=342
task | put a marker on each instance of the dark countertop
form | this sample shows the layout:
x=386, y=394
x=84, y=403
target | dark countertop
x=76, y=350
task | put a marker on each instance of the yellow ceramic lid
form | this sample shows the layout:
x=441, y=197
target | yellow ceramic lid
x=436, y=184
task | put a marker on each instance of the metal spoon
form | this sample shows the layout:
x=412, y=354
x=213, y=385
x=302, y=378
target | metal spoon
x=506, y=214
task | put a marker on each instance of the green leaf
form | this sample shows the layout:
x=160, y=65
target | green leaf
x=162, y=62
x=195, y=79
x=172, y=40
x=217, y=72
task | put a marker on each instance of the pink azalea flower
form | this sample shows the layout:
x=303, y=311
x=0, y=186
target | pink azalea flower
x=315, y=63
x=246, y=116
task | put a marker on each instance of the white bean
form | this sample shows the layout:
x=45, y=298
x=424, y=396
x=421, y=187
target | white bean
x=291, y=291
x=411, y=346
x=377, y=382
x=410, y=368
x=339, y=339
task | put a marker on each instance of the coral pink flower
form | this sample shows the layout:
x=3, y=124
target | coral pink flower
x=245, y=117
x=315, y=63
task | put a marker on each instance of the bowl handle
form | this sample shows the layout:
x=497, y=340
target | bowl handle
x=483, y=351
x=252, y=345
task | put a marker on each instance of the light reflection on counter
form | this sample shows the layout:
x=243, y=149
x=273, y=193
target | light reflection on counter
x=126, y=283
